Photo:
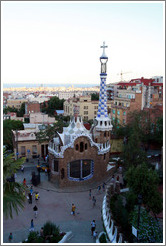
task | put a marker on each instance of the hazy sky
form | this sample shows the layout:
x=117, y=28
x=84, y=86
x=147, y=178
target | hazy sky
x=59, y=42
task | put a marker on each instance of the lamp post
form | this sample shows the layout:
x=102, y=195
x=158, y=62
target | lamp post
x=16, y=144
x=139, y=207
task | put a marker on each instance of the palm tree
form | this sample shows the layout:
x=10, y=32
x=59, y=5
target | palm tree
x=13, y=192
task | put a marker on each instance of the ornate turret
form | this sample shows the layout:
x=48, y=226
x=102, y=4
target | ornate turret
x=103, y=122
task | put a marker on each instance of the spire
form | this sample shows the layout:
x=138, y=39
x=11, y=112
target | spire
x=104, y=122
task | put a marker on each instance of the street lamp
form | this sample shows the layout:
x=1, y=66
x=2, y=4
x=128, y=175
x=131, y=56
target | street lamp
x=139, y=207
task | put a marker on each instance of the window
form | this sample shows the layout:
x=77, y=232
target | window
x=118, y=120
x=124, y=113
x=81, y=146
x=23, y=150
x=115, y=103
x=104, y=156
x=86, y=146
x=56, y=165
x=85, y=112
x=113, y=111
x=80, y=170
x=75, y=169
x=95, y=112
x=34, y=150
x=76, y=146
x=85, y=107
x=85, y=117
x=124, y=121
x=118, y=112
x=104, y=134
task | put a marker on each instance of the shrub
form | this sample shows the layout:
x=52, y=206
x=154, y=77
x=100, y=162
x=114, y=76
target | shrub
x=149, y=229
x=102, y=239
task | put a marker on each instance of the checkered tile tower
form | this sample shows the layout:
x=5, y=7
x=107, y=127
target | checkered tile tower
x=103, y=121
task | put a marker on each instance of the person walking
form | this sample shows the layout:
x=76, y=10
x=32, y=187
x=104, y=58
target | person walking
x=24, y=182
x=73, y=209
x=99, y=188
x=41, y=232
x=95, y=233
x=31, y=190
x=22, y=168
x=30, y=198
x=35, y=209
x=10, y=237
x=37, y=196
x=104, y=186
x=93, y=227
x=90, y=193
x=94, y=201
x=32, y=226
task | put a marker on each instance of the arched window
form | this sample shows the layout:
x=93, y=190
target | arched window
x=86, y=146
x=101, y=123
x=104, y=156
x=104, y=134
x=105, y=123
x=76, y=146
x=81, y=146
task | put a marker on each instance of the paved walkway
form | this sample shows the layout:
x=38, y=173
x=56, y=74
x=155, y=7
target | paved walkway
x=55, y=205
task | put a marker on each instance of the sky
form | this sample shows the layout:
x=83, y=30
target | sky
x=59, y=42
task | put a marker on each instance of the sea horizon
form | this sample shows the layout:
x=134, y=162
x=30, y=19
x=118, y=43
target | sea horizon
x=29, y=85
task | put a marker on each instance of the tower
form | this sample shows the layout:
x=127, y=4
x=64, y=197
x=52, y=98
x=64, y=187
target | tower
x=102, y=122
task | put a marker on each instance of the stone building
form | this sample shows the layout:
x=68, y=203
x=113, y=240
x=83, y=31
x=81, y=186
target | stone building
x=80, y=156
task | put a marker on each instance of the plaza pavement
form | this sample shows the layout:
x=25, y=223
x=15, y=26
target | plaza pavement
x=55, y=205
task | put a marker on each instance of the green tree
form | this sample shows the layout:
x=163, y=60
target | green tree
x=8, y=126
x=144, y=181
x=50, y=131
x=13, y=192
x=149, y=229
x=94, y=96
x=21, y=111
x=53, y=104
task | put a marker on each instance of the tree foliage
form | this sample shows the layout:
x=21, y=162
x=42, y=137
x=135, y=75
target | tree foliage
x=13, y=192
x=149, y=229
x=50, y=131
x=8, y=126
x=145, y=181
x=94, y=96
x=53, y=104
x=51, y=234
x=20, y=112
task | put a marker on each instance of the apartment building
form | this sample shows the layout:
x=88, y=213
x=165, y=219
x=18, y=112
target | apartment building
x=41, y=118
x=15, y=103
x=137, y=94
x=82, y=106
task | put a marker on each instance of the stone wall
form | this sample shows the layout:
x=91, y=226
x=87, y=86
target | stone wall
x=112, y=231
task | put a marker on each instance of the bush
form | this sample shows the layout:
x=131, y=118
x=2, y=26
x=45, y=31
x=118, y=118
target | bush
x=149, y=229
x=51, y=234
x=50, y=228
x=102, y=239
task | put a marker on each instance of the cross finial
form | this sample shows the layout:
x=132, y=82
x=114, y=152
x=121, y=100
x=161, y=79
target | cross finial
x=104, y=46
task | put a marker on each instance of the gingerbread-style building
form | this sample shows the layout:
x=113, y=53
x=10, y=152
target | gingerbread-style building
x=79, y=156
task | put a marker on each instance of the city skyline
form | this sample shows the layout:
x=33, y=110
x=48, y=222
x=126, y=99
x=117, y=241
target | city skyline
x=59, y=42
